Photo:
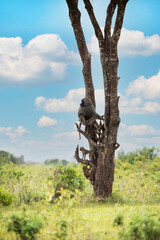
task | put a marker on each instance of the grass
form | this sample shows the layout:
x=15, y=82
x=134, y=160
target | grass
x=83, y=222
x=136, y=191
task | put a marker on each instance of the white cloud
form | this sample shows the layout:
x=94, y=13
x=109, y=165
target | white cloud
x=137, y=105
x=151, y=141
x=45, y=121
x=93, y=45
x=132, y=105
x=71, y=102
x=138, y=130
x=151, y=107
x=137, y=136
x=43, y=60
x=69, y=140
x=67, y=136
x=13, y=133
x=5, y=129
x=136, y=43
x=148, y=88
x=68, y=104
x=132, y=43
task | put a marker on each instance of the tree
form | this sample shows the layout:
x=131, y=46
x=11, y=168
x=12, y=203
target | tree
x=102, y=137
x=6, y=157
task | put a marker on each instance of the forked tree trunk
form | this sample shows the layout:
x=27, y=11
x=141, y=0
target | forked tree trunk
x=102, y=137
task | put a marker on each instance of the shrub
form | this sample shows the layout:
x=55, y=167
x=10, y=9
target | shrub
x=118, y=220
x=5, y=198
x=24, y=226
x=141, y=228
x=66, y=178
x=28, y=193
x=10, y=171
x=61, y=231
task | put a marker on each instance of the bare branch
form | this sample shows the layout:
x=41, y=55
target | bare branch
x=86, y=162
x=93, y=19
x=119, y=20
x=75, y=16
x=89, y=138
x=110, y=11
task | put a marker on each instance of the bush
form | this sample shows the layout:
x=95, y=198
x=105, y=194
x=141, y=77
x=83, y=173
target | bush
x=118, y=220
x=28, y=194
x=66, y=178
x=61, y=231
x=141, y=228
x=10, y=171
x=5, y=198
x=24, y=226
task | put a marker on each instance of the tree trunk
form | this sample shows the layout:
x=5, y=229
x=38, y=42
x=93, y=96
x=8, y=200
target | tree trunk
x=102, y=137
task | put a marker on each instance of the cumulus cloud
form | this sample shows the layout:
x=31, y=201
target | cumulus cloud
x=132, y=43
x=43, y=60
x=70, y=103
x=137, y=106
x=148, y=88
x=138, y=130
x=136, y=43
x=137, y=136
x=132, y=105
x=13, y=133
x=45, y=121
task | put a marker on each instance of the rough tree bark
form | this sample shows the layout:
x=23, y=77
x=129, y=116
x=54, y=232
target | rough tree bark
x=102, y=137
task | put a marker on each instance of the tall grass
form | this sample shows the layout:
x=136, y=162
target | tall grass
x=136, y=192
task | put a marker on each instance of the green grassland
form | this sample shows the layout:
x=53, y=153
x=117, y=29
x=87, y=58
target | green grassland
x=30, y=190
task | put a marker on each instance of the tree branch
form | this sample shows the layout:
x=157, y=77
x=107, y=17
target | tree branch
x=119, y=20
x=75, y=16
x=110, y=11
x=93, y=19
x=86, y=162
x=89, y=138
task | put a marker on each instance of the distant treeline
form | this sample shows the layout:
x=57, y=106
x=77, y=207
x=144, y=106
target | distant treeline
x=6, y=157
x=143, y=155
x=56, y=161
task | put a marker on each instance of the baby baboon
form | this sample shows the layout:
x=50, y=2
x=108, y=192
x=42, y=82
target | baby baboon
x=86, y=172
x=87, y=113
x=85, y=152
x=89, y=173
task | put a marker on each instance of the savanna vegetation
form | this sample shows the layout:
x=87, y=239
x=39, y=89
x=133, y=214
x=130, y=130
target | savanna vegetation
x=56, y=201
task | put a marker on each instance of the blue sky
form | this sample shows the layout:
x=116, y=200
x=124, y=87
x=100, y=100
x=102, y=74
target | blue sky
x=41, y=80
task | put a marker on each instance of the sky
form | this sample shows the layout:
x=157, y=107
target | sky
x=41, y=82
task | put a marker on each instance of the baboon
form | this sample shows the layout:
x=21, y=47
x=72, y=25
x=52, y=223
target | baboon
x=85, y=152
x=87, y=113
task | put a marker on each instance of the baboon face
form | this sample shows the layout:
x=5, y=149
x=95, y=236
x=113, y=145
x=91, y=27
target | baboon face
x=85, y=102
x=82, y=103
